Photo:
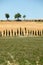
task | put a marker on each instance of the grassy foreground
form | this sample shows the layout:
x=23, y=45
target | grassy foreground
x=25, y=50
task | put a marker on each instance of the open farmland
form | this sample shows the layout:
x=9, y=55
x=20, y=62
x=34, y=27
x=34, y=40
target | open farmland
x=24, y=50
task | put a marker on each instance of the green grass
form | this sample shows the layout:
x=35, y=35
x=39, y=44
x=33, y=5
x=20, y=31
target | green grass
x=24, y=49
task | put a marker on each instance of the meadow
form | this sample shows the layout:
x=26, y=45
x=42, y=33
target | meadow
x=23, y=50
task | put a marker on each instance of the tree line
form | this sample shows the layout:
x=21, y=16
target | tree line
x=17, y=16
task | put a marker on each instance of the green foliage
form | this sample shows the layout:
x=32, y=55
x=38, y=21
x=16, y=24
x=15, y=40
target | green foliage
x=24, y=16
x=18, y=15
x=7, y=15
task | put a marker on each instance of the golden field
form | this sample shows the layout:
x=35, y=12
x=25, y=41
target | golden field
x=17, y=24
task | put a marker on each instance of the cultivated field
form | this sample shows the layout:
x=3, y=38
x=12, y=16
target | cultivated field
x=21, y=50
x=17, y=24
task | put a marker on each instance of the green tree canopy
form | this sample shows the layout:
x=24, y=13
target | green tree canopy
x=17, y=16
x=24, y=16
x=7, y=15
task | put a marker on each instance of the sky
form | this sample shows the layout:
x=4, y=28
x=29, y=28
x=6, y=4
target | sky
x=33, y=9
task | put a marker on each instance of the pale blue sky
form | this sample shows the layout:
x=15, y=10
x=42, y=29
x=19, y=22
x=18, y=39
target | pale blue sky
x=33, y=9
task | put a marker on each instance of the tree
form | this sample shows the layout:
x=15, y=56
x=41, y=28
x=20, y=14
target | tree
x=17, y=16
x=24, y=16
x=7, y=15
